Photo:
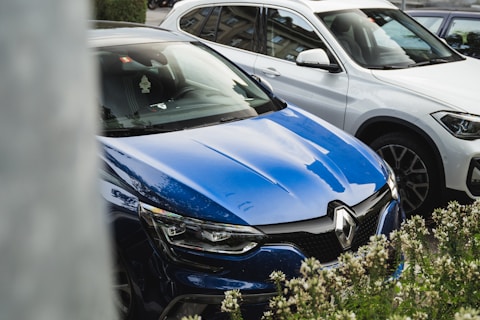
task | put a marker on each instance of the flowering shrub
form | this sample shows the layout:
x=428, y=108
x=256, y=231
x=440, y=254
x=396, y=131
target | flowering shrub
x=440, y=280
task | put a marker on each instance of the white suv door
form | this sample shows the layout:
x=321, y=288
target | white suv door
x=287, y=34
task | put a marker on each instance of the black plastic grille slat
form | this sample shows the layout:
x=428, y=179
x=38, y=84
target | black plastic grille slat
x=367, y=228
x=325, y=247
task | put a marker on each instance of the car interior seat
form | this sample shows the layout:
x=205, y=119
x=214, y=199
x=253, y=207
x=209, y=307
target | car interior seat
x=473, y=41
x=342, y=27
x=126, y=91
x=455, y=41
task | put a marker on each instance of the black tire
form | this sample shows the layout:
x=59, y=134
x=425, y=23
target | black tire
x=152, y=4
x=125, y=299
x=415, y=169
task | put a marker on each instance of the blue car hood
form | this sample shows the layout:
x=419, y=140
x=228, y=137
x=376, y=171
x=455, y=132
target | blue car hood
x=282, y=167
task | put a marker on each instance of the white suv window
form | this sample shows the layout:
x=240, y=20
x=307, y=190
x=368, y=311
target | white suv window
x=229, y=25
x=285, y=36
x=289, y=34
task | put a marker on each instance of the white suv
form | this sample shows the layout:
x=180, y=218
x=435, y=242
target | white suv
x=366, y=67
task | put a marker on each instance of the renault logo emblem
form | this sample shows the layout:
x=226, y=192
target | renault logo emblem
x=344, y=227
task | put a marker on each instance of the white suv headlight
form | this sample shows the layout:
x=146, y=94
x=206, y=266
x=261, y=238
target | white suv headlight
x=462, y=126
x=199, y=235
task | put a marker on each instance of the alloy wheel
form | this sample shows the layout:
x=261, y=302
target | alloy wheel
x=123, y=290
x=411, y=173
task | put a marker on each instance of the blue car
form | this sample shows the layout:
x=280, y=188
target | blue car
x=212, y=182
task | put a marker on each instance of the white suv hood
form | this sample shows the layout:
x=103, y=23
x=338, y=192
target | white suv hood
x=453, y=84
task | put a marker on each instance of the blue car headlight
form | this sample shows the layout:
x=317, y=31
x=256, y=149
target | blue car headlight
x=392, y=182
x=462, y=126
x=172, y=229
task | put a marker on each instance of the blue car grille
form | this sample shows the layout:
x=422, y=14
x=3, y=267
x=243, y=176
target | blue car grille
x=326, y=247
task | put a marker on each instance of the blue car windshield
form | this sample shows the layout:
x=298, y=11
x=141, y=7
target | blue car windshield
x=386, y=39
x=162, y=87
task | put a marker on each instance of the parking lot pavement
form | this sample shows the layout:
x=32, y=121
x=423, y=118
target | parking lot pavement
x=154, y=17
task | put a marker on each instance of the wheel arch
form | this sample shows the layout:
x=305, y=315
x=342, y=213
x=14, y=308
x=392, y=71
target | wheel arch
x=378, y=126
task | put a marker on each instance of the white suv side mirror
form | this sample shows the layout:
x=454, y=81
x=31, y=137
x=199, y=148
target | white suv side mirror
x=317, y=58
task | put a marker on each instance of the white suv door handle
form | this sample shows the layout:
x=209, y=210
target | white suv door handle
x=271, y=72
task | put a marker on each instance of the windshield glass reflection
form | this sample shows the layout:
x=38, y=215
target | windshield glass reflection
x=386, y=39
x=172, y=86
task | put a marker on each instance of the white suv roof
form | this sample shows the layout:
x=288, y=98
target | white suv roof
x=313, y=5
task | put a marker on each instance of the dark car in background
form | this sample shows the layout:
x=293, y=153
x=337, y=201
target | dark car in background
x=211, y=182
x=460, y=27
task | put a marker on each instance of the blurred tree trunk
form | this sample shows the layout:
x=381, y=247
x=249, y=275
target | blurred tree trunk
x=54, y=242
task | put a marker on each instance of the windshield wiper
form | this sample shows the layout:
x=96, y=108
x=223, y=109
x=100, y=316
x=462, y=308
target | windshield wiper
x=429, y=62
x=387, y=67
x=233, y=118
x=136, y=131
x=219, y=121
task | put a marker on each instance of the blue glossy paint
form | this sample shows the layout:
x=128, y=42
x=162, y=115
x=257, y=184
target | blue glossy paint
x=276, y=168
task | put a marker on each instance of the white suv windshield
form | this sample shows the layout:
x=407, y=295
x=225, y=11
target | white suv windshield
x=386, y=38
x=159, y=87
